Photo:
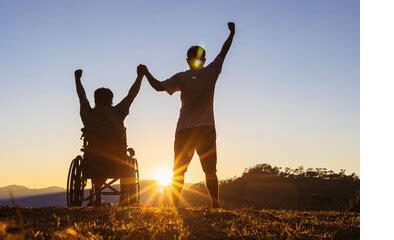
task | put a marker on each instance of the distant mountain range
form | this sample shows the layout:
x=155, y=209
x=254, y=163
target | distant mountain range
x=22, y=191
x=151, y=194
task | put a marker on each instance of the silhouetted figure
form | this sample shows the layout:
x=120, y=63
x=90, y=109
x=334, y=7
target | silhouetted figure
x=104, y=126
x=196, y=126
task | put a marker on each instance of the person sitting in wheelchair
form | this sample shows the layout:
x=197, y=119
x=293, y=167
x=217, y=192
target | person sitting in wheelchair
x=105, y=135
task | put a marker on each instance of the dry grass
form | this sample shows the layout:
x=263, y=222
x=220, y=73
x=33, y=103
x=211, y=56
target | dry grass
x=170, y=223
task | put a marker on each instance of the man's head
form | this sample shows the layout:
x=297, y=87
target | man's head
x=103, y=97
x=196, y=57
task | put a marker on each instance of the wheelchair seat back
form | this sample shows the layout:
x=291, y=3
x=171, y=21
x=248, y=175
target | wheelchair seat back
x=105, y=154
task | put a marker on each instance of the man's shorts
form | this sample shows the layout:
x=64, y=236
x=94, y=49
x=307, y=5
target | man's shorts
x=201, y=139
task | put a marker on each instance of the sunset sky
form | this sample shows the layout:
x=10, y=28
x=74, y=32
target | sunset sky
x=288, y=94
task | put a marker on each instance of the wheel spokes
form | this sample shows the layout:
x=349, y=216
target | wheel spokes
x=75, y=183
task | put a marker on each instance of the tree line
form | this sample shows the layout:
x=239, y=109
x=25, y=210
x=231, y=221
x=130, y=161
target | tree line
x=271, y=187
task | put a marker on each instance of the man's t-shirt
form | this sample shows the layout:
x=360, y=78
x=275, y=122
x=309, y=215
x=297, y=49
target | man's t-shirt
x=105, y=129
x=197, y=89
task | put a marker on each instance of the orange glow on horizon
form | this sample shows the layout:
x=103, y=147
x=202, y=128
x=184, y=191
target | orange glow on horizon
x=163, y=177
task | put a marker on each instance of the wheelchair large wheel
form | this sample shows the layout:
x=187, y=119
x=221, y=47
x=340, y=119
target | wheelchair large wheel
x=75, y=184
x=137, y=181
x=134, y=187
x=136, y=184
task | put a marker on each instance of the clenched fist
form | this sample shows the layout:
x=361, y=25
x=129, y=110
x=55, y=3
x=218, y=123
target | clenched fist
x=231, y=26
x=78, y=73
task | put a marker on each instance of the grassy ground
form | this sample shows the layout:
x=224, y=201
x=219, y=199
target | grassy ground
x=170, y=223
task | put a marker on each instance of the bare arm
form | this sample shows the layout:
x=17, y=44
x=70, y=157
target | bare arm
x=80, y=90
x=133, y=91
x=156, y=84
x=228, y=42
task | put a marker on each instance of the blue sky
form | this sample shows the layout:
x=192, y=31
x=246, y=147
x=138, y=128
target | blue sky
x=288, y=93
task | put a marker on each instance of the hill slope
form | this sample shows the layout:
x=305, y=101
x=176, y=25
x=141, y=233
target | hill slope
x=170, y=223
x=22, y=191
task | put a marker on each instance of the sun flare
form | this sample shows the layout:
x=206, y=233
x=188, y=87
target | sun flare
x=163, y=177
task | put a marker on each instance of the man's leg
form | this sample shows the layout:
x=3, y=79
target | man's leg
x=98, y=183
x=126, y=189
x=212, y=183
x=184, y=147
x=206, y=150
x=177, y=185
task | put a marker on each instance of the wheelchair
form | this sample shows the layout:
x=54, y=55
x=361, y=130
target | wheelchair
x=80, y=171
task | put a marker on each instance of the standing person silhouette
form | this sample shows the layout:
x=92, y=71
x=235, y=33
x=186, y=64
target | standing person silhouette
x=196, y=125
x=105, y=128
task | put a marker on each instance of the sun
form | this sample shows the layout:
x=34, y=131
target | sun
x=163, y=177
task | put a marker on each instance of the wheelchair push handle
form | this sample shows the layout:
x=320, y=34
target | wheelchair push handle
x=131, y=152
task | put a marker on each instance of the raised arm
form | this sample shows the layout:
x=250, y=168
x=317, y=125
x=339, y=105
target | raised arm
x=156, y=84
x=83, y=100
x=135, y=88
x=227, y=43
